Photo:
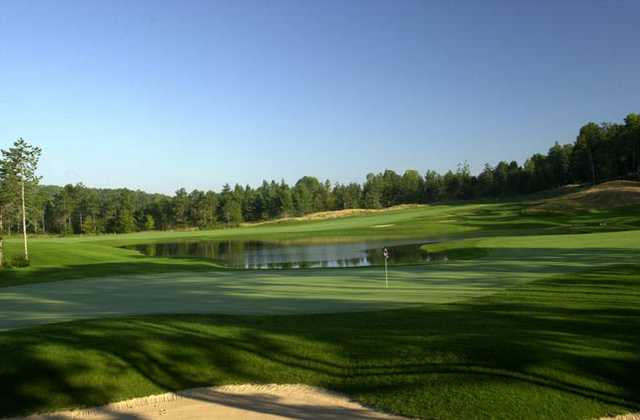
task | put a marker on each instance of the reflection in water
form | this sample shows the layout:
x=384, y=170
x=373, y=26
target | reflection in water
x=287, y=255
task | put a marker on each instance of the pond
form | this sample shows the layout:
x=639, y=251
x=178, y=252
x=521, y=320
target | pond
x=252, y=254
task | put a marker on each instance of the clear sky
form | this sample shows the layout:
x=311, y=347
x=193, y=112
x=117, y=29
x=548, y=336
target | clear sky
x=162, y=94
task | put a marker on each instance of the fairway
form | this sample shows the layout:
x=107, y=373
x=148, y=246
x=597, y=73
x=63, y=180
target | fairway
x=319, y=210
x=506, y=263
x=526, y=311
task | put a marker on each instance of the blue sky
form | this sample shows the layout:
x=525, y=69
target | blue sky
x=163, y=94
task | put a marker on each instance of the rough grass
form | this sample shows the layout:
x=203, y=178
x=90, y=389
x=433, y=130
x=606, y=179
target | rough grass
x=605, y=196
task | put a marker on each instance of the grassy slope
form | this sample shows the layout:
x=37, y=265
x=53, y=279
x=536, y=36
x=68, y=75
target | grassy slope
x=562, y=346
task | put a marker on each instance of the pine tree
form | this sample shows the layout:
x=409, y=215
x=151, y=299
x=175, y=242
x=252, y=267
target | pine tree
x=18, y=168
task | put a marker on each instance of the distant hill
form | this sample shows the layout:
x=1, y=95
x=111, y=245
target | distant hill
x=608, y=195
x=334, y=214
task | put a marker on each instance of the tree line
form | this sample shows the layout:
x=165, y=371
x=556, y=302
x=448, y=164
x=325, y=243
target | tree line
x=600, y=152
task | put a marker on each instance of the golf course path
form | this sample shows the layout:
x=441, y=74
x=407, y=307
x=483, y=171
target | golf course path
x=245, y=402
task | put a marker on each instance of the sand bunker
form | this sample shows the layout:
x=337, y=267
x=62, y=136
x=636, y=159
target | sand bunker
x=234, y=402
x=632, y=416
x=245, y=402
x=335, y=214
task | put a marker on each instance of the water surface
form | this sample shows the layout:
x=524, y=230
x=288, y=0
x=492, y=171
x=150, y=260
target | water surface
x=254, y=254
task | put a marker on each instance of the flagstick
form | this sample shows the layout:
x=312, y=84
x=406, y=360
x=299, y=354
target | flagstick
x=385, y=252
x=386, y=275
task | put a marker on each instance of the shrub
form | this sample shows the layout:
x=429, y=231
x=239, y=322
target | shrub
x=17, y=261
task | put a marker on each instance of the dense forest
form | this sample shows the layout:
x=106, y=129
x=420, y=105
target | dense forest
x=600, y=152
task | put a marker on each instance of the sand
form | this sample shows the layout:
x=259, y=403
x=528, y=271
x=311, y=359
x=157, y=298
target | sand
x=631, y=416
x=237, y=402
x=234, y=402
x=334, y=214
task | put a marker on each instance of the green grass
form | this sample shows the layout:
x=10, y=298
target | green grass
x=476, y=267
x=563, y=347
x=93, y=256
x=533, y=316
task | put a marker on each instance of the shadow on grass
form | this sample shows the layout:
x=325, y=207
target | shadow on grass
x=136, y=265
x=561, y=348
x=228, y=291
x=511, y=217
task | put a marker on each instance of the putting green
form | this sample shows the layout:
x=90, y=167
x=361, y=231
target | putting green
x=531, y=316
x=311, y=291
